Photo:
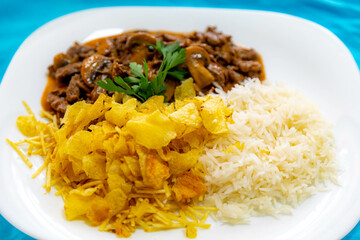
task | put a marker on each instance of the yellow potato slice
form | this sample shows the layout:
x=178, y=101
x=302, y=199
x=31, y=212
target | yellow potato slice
x=186, y=119
x=27, y=125
x=133, y=165
x=98, y=211
x=119, y=113
x=152, y=104
x=79, y=144
x=117, y=200
x=185, y=90
x=213, y=113
x=94, y=165
x=77, y=205
x=187, y=186
x=116, y=146
x=153, y=130
x=155, y=172
x=182, y=162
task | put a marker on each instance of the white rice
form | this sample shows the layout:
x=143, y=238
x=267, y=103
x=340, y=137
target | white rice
x=285, y=152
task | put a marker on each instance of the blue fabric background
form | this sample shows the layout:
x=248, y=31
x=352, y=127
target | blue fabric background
x=19, y=18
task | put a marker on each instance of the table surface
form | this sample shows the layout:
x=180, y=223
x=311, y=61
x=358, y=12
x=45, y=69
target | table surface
x=19, y=18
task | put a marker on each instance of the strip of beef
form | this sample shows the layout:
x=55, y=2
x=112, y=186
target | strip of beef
x=95, y=94
x=219, y=72
x=252, y=67
x=246, y=54
x=80, y=52
x=57, y=101
x=214, y=38
x=119, y=70
x=234, y=76
x=81, y=84
x=236, y=62
x=60, y=60
x=73, y=90
x=65, y=73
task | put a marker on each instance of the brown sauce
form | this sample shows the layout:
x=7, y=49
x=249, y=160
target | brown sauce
x=51, y=85
x=228, y=63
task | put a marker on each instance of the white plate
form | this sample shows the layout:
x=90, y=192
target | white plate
x=304, y=55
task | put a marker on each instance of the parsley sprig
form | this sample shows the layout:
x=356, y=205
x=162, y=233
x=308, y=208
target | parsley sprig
x=139, y=84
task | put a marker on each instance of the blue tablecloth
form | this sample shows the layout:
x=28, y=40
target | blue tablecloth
x=19, y=18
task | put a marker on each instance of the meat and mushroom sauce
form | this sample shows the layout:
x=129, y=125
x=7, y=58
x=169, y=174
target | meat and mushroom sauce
x=212, y=59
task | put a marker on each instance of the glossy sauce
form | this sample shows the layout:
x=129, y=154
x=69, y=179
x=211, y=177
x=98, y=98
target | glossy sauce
x=52, y=84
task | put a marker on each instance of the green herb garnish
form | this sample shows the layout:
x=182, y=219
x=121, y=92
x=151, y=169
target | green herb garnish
x=139, y=86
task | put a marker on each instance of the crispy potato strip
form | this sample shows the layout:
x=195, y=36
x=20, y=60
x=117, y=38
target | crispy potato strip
x=122, y=166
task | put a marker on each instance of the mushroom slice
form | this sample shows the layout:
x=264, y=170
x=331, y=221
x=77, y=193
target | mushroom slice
x=197, y=59
x=91, y=66
x=169, y=92
x=138, y=44
x=140, y=39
